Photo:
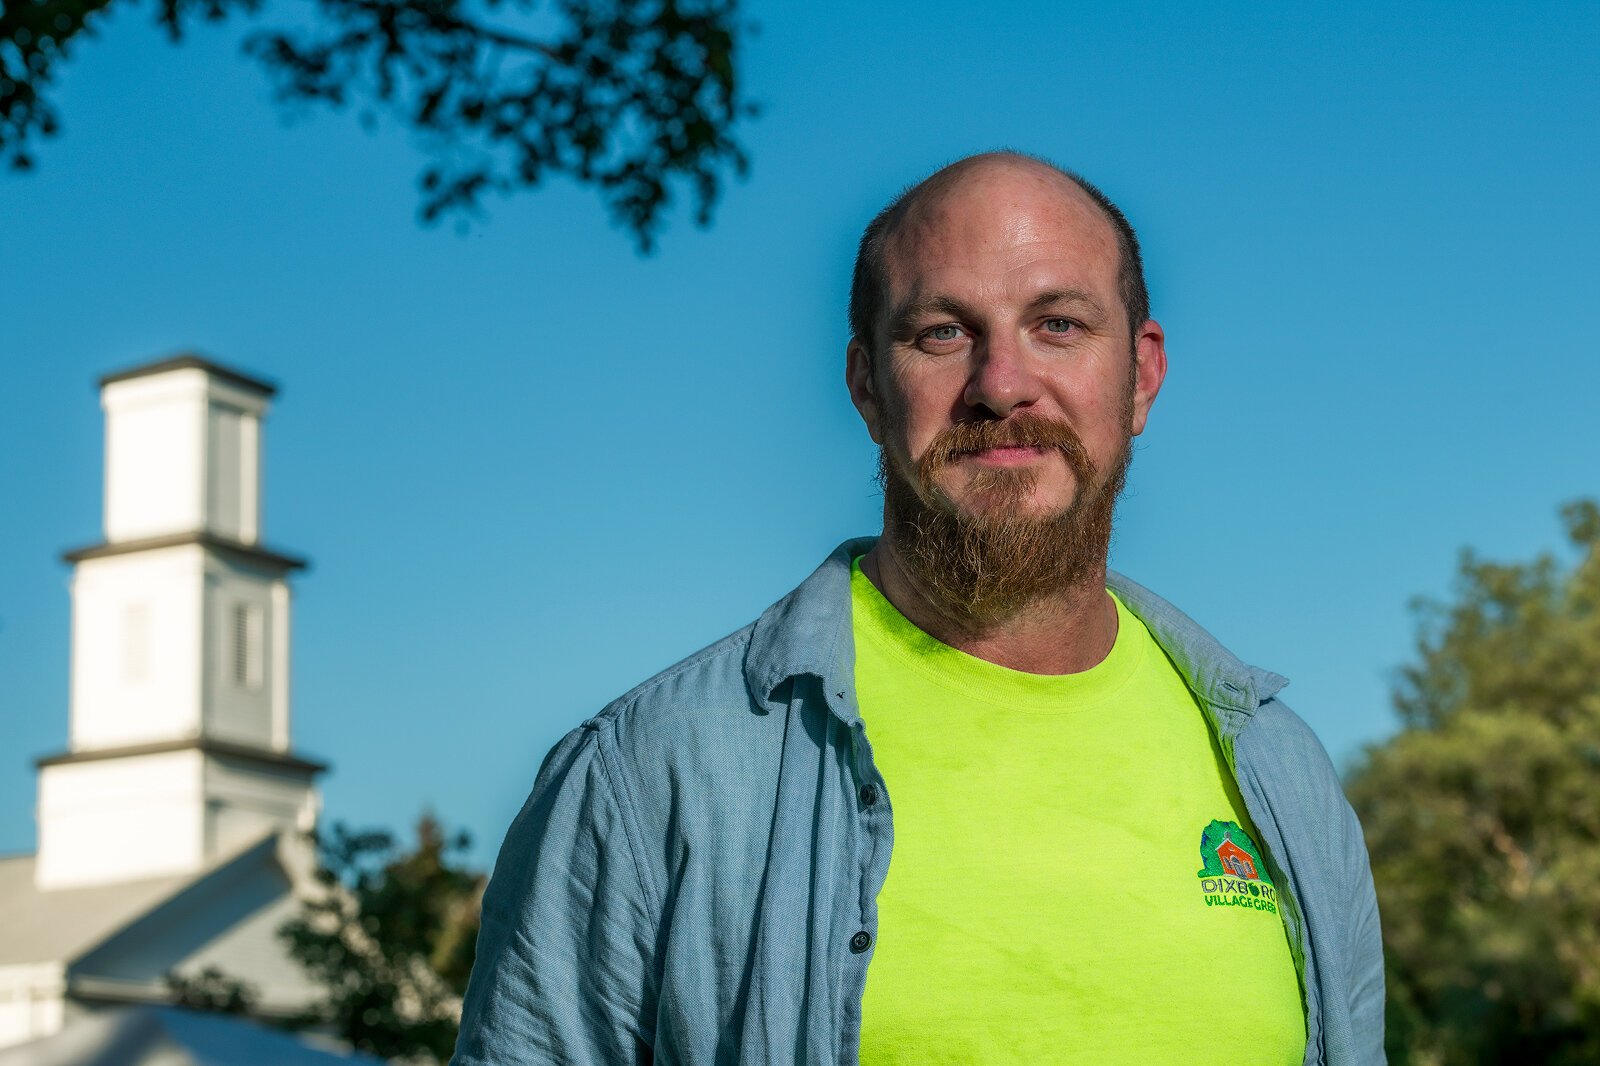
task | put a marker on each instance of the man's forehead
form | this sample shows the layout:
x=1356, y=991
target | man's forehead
x=1014, y=210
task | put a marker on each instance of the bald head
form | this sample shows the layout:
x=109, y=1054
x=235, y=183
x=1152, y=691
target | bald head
x=974, y=175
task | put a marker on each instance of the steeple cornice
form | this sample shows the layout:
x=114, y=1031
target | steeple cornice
x=193, y=361
x=205, y=745
x=250, y=553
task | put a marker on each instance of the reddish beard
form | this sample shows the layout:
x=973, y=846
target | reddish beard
x=981, y=565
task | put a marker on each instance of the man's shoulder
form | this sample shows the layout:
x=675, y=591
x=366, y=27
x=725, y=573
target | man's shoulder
x=692, y=755
x=1247, y=697
x=735, y=679
x=1215, y=674
x=1285, y=724
x=1292, y=748
x=688, y=695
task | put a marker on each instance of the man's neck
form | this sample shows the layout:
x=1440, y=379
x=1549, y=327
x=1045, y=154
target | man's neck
x=1065, y=632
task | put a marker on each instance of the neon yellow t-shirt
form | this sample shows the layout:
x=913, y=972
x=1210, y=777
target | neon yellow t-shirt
x=1074, y=878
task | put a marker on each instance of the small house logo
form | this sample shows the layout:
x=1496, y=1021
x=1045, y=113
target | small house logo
x=1236, y=860
x=1232, y=873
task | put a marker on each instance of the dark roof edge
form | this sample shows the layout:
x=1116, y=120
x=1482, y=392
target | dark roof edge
x=278, y=759
x=133, y=995
x=249, y=552
x=192, y=361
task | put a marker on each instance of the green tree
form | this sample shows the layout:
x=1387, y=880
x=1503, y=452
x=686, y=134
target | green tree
x=1482, y=816
x=631, y=97
x=390, y=941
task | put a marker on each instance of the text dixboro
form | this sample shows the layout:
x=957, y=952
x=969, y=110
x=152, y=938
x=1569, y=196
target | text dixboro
x=1233, y=892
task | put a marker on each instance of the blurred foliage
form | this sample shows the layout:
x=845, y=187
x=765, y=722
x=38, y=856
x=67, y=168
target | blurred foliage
x=391, y=940
x=1482, y=817
x=630, y=97
x=212, y=990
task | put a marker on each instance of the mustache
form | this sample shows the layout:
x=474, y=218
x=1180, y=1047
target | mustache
x=1024, y=430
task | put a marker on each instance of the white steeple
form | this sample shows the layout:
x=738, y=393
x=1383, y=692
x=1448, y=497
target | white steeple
x=178, y=746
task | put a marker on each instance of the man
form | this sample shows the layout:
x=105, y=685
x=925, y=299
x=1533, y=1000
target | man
x=961, y=796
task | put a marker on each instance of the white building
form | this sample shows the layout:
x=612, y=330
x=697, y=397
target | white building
x=172, y=829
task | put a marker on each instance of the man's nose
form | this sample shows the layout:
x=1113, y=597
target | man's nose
x=1003, y=377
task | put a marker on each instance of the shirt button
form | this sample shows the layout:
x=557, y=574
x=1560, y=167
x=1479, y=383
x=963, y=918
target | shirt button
x=861, y=942
x=869, y=795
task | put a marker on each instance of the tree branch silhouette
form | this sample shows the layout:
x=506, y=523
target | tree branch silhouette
x=635, y=98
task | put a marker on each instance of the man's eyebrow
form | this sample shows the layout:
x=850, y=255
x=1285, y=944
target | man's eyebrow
x=1065, y=296
x=904, y=316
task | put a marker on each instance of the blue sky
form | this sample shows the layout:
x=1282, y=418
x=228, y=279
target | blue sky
x=532, y=468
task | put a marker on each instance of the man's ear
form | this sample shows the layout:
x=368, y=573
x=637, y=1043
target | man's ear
x=1150, y=370
x=863, y=389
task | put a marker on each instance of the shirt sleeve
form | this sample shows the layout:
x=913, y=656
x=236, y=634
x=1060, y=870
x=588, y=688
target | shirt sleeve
x=563, y=965
x=1366, y=948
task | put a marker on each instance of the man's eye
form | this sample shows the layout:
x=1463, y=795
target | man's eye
x=1059, y=325
x=944, y=333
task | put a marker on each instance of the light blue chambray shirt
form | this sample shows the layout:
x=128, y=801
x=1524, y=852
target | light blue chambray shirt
x=694, y=879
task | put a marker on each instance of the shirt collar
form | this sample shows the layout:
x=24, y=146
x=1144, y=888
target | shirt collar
x=808, y=632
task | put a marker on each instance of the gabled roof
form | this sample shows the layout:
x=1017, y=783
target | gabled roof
x=62, y=925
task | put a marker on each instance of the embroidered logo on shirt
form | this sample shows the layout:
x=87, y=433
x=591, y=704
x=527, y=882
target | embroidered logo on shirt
x=1233, y=874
